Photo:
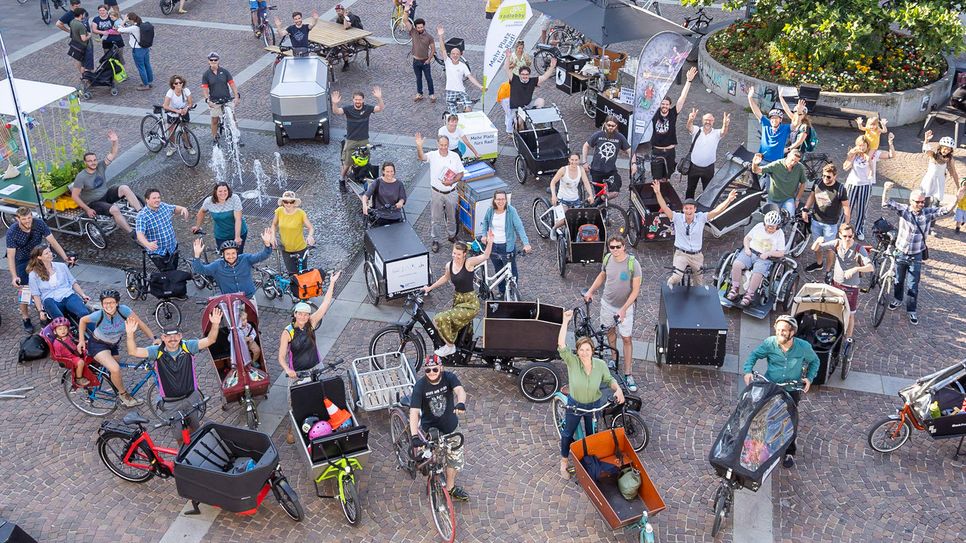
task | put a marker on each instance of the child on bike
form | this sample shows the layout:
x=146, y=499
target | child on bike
x=64, y=351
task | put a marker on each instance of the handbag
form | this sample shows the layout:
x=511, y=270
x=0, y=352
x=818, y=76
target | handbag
x=77, y=50
x=307, y=285
x=684, y=167
x=595, y=467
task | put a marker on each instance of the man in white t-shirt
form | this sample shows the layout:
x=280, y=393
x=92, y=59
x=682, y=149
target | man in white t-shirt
x=456, y=72
x=766, y=240
x=445, y=171
x=455, y=135
x=705, y=148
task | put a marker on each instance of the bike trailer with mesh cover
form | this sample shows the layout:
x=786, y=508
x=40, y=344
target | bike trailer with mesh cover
x=756, y=435
x=226, y=467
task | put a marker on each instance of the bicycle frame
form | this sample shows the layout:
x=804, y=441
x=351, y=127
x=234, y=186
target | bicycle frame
x=159, y=464
x=339, y=470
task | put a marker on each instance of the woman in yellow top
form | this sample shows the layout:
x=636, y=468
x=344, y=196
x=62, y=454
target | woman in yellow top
x=291, y=221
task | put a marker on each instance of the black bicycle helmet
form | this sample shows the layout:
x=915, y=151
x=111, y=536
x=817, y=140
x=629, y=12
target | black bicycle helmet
x=110, y=293
x=230, y=244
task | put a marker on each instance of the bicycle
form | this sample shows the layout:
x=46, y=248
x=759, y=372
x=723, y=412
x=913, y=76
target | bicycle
x=613, y=215
x=156, y=133
x=813, y=163
x=167, y=6
x=460, y=105
x=264, y=29
x=228, y=134
x=433, y=466
x=687, y=274
x=100, y=398
x=275, y=283
x=137, y=284
x=45, y=8
x=609, y=415
x=699, y=22
x=566, y=38
x=885, y=239
x=885, y=276
x=485, y=283
x=204, y=282
x=127, y=450
x=387, y=212
x=543, y=55
x=396, y=27
x=596, y=85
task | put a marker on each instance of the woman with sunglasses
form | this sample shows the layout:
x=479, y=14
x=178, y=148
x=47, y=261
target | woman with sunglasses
x=177, y=102
x=850, y=259
x=585, y=375
x=466, y=305
x=291, y=221
x=861, y=165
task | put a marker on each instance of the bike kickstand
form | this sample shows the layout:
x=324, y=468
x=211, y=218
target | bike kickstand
x=194, y=508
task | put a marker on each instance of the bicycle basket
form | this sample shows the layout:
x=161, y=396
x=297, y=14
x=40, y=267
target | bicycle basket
x=158, y=110
x=169, y=284
x=117, y=427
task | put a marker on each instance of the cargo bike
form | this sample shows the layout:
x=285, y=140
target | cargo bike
x=935, y=404
x=511, y=330
x=542, y=142
x=242, y=378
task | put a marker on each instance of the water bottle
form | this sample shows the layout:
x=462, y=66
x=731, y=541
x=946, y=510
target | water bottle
x=648, y=533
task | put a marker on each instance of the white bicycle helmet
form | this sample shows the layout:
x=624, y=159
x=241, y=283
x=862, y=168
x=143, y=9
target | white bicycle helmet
x=947, y=142
x=773, y=218
x=788, y=319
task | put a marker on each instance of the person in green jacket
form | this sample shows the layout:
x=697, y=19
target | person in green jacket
x=585, y=375
x=789, y=359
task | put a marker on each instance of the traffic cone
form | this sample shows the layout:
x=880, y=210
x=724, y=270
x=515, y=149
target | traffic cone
x=337, y=416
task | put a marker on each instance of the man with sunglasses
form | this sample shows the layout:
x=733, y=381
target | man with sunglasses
x=620, y=275
x=915, y=220
x=218, y=86
x=829, y=203
x=437, y=398
x=850, y=259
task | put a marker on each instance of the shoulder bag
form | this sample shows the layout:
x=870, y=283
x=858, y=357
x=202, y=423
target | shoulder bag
x=684, y=167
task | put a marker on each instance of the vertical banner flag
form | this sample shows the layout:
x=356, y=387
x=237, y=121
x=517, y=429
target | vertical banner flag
x=661, y=59
x=505, y=28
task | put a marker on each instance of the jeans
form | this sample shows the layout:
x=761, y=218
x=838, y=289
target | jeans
x=423, y=68
x=572, y=419
x=793, y=447
x=698, y=173
x=142, y=59
x=913, y=265
x=72, y=304
x=788, y=205
x=89, y=59
x=499, y=257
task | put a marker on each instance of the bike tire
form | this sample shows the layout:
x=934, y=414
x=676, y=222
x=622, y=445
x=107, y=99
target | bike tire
x=541, y=61
x=398, y=32
x=636, y=430
x=520, y=168
x=539, y=210
x=512, y=292
x=558, y=413
x=268, y=35
x=167, y=6
x=402, y=441
x=720, y=510
x=588, y=102
x=889, y=425
x=98, y=401
x=112, y=448
x=800, y=238
x=153, y=400
x=539, y=381
x=615, y=219
x=132, y=285
x=393, y=339
x=45, y=11
x=372, y=282
x=444, y=515
x=95, y=235
x=184, y=151
x=885, y=292
x=633, y=226
x=288, y=499
x=251, y=411
x=350, y=499
x=562, y=255
x=152, y=133
x=167, y=314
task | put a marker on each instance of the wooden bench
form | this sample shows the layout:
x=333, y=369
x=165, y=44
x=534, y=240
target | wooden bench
x=946, y=114
x=811, y=93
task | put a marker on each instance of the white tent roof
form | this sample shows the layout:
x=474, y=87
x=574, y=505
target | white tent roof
x=32, y=95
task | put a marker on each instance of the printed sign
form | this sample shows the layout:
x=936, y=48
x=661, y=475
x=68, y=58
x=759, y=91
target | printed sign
x=505, y=28
x=661, y=59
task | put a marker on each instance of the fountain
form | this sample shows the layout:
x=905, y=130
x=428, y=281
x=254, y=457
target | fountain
x=281, y=177
x=218, y=165
x=234, y=135
x=261, y=183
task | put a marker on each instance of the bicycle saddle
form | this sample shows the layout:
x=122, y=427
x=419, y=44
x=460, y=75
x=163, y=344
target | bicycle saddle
x=134, y=419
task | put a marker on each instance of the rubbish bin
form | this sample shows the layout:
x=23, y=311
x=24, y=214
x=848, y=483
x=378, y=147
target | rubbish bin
x=300, y=99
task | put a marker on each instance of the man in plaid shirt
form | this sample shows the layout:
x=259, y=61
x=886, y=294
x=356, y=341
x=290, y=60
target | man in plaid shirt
x=155, y=231
x=914, y=221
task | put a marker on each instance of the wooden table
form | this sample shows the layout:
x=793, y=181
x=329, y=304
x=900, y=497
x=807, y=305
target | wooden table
x=330, y=34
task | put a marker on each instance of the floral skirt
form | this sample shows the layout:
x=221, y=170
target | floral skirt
x=465, y=308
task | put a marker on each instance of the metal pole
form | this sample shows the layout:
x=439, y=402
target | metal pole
x=23, y=129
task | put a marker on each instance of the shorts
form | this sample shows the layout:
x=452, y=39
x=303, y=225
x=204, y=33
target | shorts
x=960, y=215
x=454, y=457
x=827, y=232
x=457, y=98
x=755, y=262
x=851, y=294
x=560, y=210
x=351, y=145
x=216, y=110
x=613, y=185
x=626, y=326
x=257, y=4
x=103, y=206
x=95, y=346
x=662, y=169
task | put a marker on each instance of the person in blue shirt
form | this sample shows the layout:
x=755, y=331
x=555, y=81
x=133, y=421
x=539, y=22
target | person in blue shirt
x=774, y=134
x=233, y=272
x=504, y=221
x=789, y=359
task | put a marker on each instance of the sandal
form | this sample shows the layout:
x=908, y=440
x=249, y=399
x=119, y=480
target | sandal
x=432, y=98
x=732, y=295
x=82, y=381
x=417, y=98
x=745, y=301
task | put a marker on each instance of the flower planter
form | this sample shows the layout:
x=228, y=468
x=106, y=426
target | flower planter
x=900, y=107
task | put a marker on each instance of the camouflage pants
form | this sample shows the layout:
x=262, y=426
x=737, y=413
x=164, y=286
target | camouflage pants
x=465, y=307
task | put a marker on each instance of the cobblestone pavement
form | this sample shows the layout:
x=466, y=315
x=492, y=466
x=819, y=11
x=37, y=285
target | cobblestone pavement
x=56, y=488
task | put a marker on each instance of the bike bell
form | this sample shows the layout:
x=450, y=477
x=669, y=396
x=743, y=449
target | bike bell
x=308, y=423
x=320, y=429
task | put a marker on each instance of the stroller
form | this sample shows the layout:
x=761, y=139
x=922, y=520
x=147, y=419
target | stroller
x=108, y=73
x=822, y=312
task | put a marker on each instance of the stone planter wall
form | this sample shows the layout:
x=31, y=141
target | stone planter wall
x=900, y=108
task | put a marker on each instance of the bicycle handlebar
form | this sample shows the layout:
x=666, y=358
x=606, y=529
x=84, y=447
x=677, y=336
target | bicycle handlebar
x=182, y=416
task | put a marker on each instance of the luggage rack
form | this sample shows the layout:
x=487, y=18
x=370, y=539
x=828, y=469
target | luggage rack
x=381, y=380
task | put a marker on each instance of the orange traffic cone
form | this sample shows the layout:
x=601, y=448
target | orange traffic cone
x=337, y=416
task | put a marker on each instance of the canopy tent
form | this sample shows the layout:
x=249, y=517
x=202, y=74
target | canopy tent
x=32, y=95
x=609, y=21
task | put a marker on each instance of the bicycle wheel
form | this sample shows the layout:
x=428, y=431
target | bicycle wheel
x=520, y=168
x=633, y=225
x=22, y=1
x=588, y=102
x=350, y=499
x=112, y=448
x=401, y=442
x=562, y=255
x=372, y=282
x=287, y=498
x=635, y=429
x=152, y=133
x=539, y=381
x=889, y=434
x=398, y=31
x=444, y=516
x=268, y=285
x=720, y=509
x=45, y=11
x=541, y=61
x=560, y=37
x=392, y=339
x=251, y=413
x=167, y=315
x=167, y=6
x=615, y=219
x=95, y=235
x=185, y=148
x=543, y=218
x=800, y=237
x=512, y=293
x=885, y=293
x=558, y=413
x=96, y=401
x=132, y=284
x=268, y=35
x=153, y=399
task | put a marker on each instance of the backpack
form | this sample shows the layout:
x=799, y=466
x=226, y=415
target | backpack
x=588, y=233
x=630, y=263
x=147, y=34
x=811, y=141
x=32, y=347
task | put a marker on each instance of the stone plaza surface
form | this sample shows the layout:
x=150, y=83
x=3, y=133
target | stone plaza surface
x=54, y=485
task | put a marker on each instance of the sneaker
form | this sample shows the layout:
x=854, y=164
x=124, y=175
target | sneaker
x=458, y=494
x=129, y=401
x=441, y=352
x=192, y=151
x=860, y=237
x=957, y=228
x=170, y=151
x=913, y=318
x=631, y=383
x=828, y=278
x=894, y=304
x=813, y=267
x=451, y=239
x=789, y=461
x=28, y=326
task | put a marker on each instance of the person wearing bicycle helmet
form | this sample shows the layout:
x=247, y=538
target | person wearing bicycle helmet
x=940, y=155
x=766, y=240
x=456, y=72
x=297, y=350
x=356, y=125
x=774, y=134
x=788, y=179
x=437, y=398
x=100, y=333
x=586, y=376
x=789, y=359
x=174, y=364
x=233, y=272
